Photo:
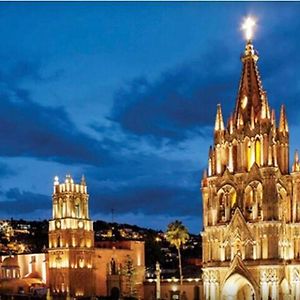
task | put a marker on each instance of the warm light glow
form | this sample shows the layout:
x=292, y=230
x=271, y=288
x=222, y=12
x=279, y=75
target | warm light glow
x=139, y=260
x=174, y=288
x=248, y=27
x=233, y=199
x=81, y=263
x=257, y=152
x=244, y=102
x=44, y=271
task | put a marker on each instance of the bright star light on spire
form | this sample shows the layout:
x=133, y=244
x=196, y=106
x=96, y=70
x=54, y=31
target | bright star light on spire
x=248, y=27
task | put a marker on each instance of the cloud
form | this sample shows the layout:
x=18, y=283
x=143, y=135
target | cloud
x=279, y=60
x=6, y=171
x=183, y=99
x=19, y=202
x=146, y=184
x=180, y=100
x=33, y=130
x=148, y=200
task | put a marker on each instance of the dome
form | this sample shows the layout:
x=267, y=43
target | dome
x=10, y=262
x=34, y=274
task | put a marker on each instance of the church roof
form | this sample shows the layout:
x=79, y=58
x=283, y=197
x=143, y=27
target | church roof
x=33, y=274
x=10, y=262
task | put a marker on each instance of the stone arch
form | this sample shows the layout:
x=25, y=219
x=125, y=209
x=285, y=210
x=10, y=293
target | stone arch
x=58, y=242
x=115, y=293
x=258, y=151
x=248, y=249
x=253, y=196
x=60, y=207
x=248, y=202
x=77, y=208
x=227, y=251
x=234, y=154
x=284, y=208
x=60, y=283
x=80, y=261
x=284, y=289
x=250, y=152
x=238, y=287
x=113, y=267
x=227, y=199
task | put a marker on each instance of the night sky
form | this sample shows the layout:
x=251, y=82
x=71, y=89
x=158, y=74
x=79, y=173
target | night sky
x=126, y=93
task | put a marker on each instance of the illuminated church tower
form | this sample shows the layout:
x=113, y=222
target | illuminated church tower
x=71, y=240
x=251, y=201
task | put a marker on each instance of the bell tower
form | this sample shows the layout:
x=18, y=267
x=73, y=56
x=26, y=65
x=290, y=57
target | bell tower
x=71, y=240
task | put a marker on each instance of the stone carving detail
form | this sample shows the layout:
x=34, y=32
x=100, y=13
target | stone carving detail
x=251, y=206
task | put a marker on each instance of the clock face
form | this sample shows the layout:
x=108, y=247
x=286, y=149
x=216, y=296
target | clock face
x=80, y=224
x=57, y=224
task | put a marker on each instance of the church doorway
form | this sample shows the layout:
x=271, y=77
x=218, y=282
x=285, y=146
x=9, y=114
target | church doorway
x=237, y=287
x=115, y=293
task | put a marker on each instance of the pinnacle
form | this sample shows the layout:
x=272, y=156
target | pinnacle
x=283, y=124
x=251, y=95
x=219, y=124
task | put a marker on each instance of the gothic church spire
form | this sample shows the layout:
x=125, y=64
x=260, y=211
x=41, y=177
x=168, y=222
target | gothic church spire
x=251, y=98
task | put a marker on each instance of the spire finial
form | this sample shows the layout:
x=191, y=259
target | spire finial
x=219, y=124
x=283, y=124
x=230, y=124
x=248, y=28
x=295, y=167
x=56, y=180
x=296, y=156
x=83, y=181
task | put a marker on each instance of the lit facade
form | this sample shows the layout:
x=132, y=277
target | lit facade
x=74, y=264
x=78, y=266
x=24, y=273
x=251, y=200
x=71, y=240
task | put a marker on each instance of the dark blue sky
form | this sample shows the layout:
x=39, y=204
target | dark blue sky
x=126, y=94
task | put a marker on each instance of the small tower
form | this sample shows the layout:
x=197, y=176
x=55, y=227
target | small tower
x=71, y=240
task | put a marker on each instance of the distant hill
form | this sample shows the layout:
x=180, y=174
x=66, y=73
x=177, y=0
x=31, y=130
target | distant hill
x=21, y=236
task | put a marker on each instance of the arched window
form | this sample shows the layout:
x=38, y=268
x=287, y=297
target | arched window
x=253, y=195
x=77, y=208
x=248, y=203
x=284, y=208
x=228, y=251
x=60, y=282
x=250, y=154
x=257, y=151
x=60, y=208
x=248, y=250
x=234, y=155
x=113, y=267
x=227, y=202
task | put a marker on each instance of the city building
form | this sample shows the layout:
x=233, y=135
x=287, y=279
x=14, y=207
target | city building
x=74, y=265
x=251, y=203
x=191, y=289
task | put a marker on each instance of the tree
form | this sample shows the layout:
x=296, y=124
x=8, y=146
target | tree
x=129, y=272
x=177, y=235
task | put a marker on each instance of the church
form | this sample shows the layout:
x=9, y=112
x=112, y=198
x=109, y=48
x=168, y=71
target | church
x=74, y=264
x=251, y=219
x=251, y=199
